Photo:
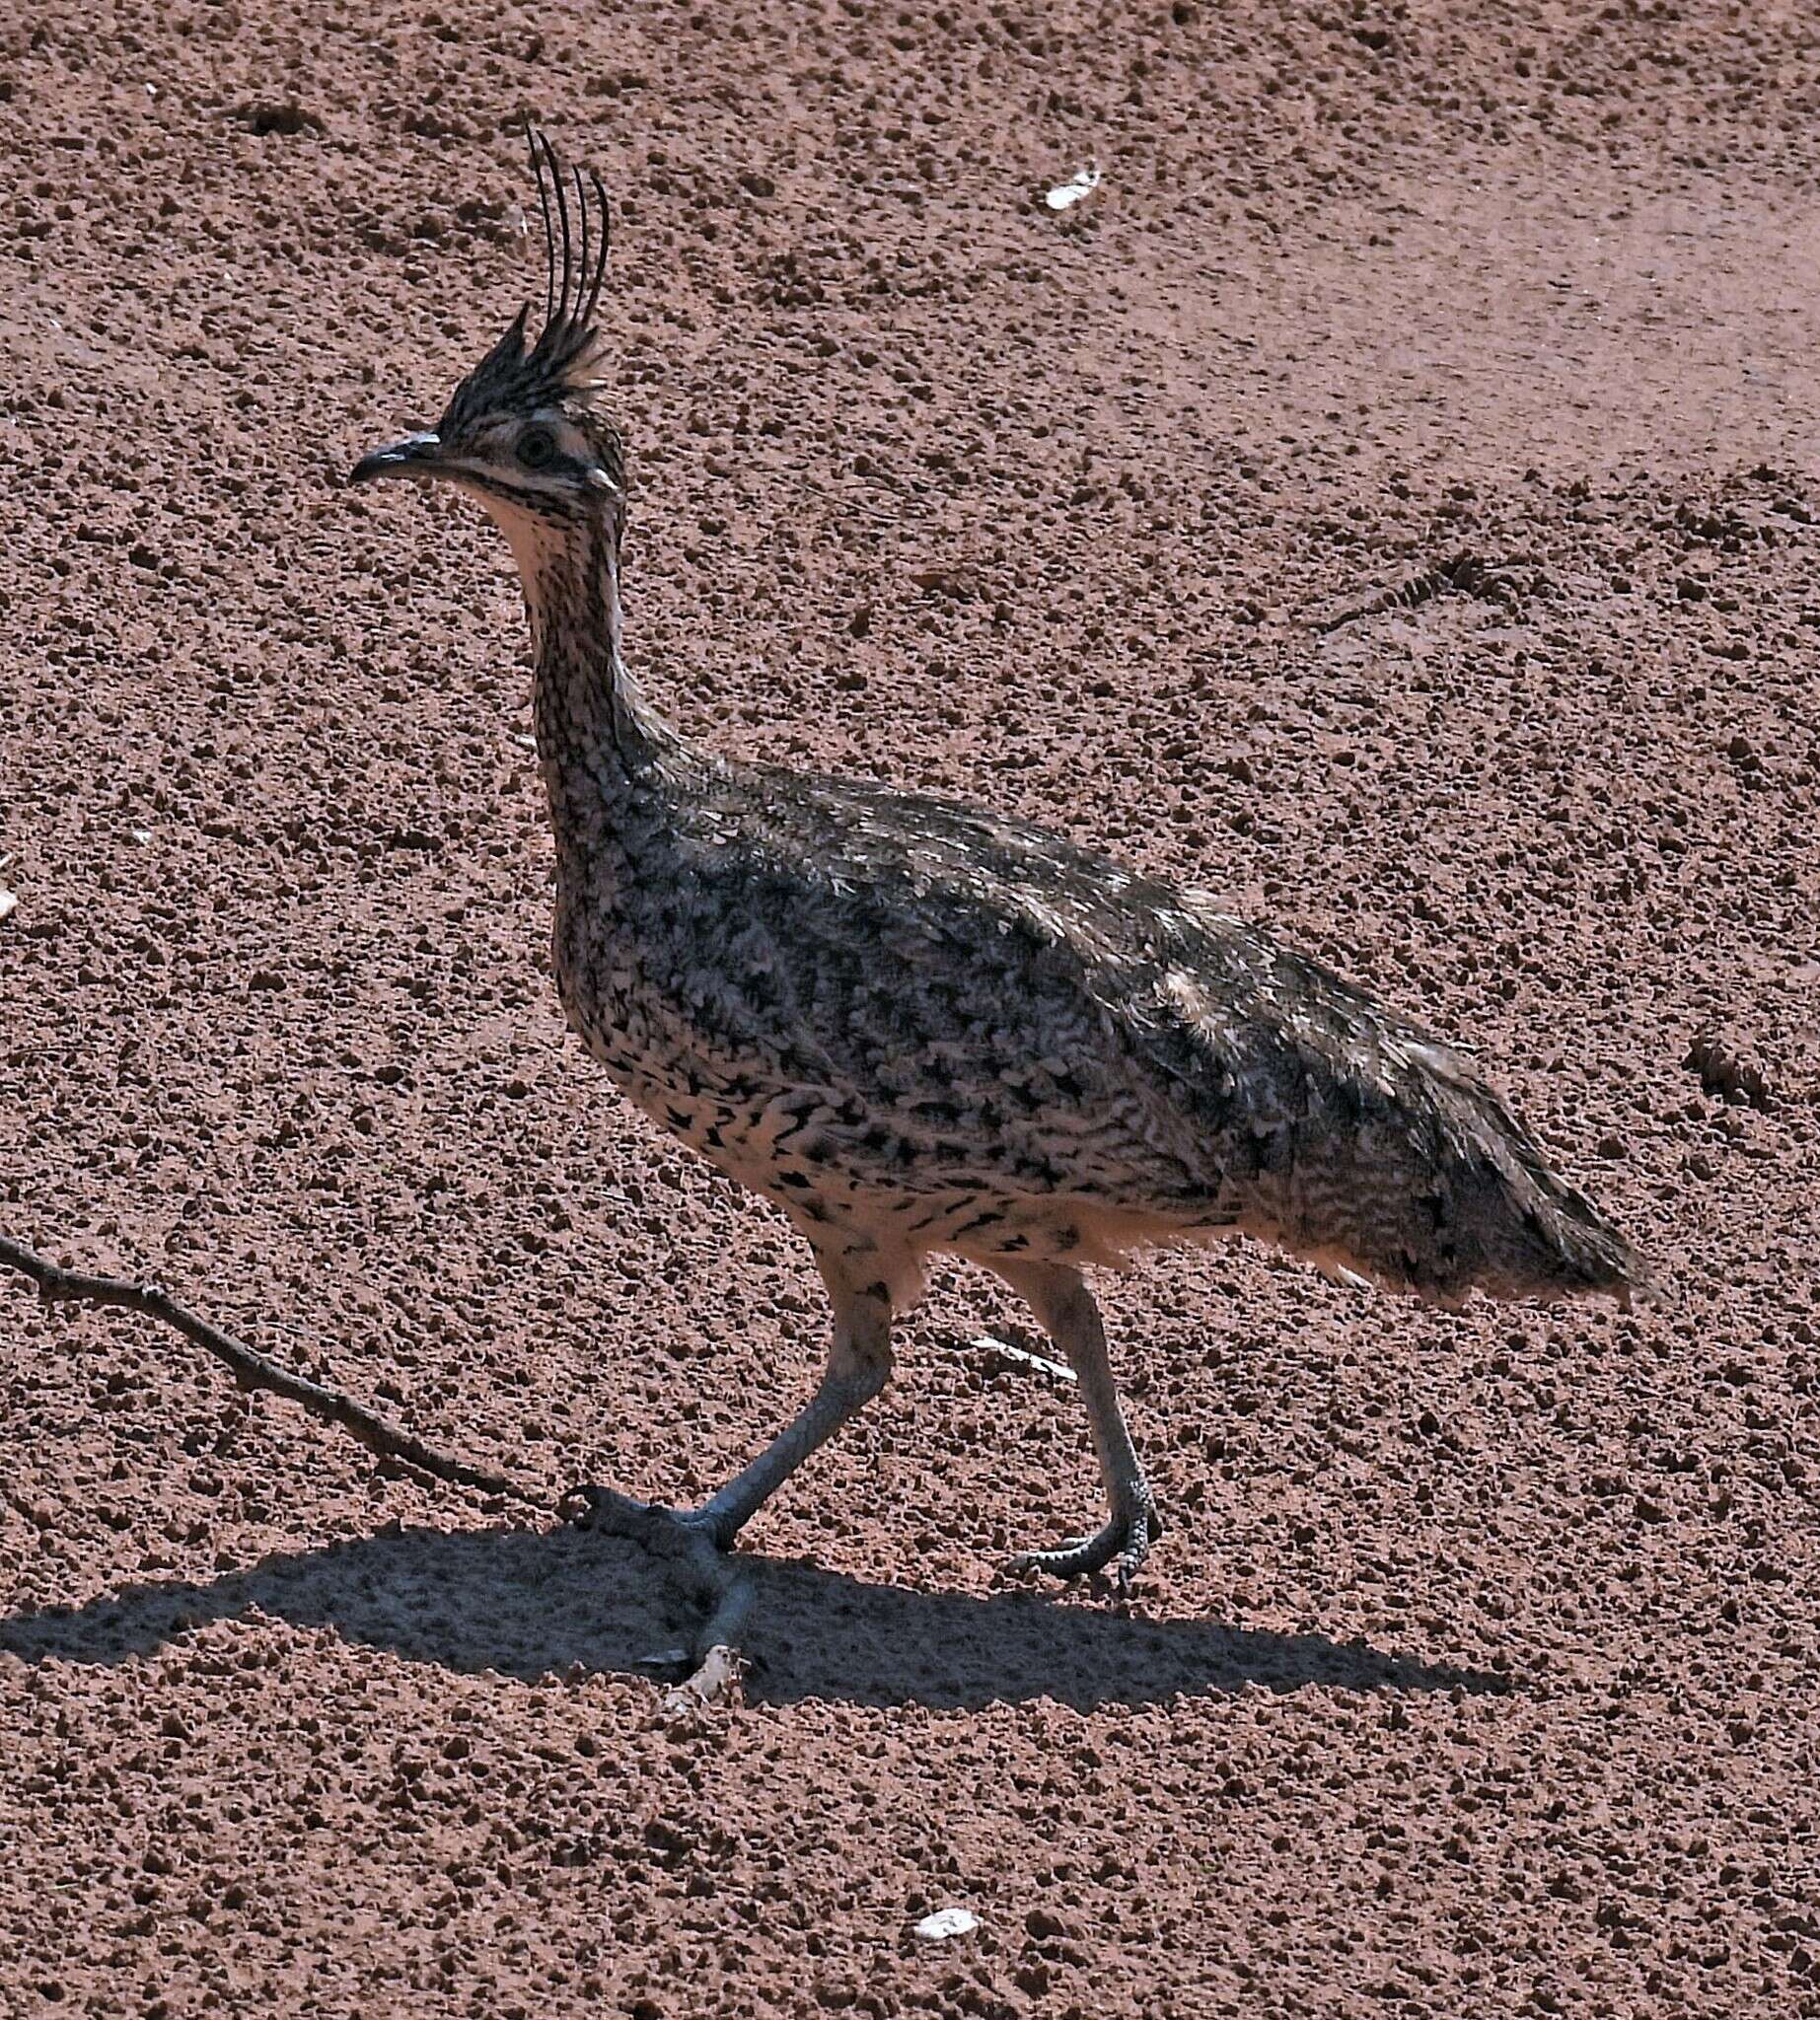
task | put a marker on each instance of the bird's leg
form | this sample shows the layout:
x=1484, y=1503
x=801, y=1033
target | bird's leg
x=1065, y=1310
x=858, y=1367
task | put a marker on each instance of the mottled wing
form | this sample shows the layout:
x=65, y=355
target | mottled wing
x=1007, y=1009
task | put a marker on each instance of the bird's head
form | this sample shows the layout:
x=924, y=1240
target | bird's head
x=524, y=432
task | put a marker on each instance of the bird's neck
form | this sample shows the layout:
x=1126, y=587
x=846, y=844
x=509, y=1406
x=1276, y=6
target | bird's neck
x=599, y=744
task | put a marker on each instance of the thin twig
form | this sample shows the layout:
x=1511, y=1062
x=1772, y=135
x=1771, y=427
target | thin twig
x=252, y=1370
x=723, y=1585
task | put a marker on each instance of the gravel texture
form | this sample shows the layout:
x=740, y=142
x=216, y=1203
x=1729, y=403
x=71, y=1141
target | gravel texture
x=1477, y=1673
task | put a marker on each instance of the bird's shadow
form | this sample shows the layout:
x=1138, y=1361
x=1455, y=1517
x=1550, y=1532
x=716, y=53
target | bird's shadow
x=529, y=1602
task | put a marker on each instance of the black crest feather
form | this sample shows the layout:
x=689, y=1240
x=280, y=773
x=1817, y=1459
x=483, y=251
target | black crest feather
x=577, y=238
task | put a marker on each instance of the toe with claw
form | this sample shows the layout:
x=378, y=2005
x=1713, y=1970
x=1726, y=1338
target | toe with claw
x=1121, y=1547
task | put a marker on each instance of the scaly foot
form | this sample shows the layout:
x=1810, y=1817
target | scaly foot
x=667, y=1532
x=1123, y=1545
x=692, y=1541
x=688, y=1537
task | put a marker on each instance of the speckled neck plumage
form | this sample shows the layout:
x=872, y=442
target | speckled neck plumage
x=597, y=741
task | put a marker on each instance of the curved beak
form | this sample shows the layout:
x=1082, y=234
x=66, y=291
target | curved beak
x=415, y=455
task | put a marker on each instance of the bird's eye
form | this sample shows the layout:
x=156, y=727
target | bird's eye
x=537, y=447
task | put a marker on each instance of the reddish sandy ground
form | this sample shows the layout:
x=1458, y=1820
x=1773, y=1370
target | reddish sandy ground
x=1477, y=1672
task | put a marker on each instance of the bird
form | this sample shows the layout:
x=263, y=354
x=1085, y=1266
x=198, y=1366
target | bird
x=920, y=1027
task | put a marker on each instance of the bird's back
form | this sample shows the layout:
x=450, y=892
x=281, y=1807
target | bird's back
x=892, y=1009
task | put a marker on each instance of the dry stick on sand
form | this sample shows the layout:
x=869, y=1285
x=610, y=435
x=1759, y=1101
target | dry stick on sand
x=726, y=1590
x=57, y=1285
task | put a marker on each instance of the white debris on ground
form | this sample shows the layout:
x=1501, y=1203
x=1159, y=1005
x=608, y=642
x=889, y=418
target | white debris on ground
x=1081, y=183
x=946, y=1922
x=1017, y=1356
